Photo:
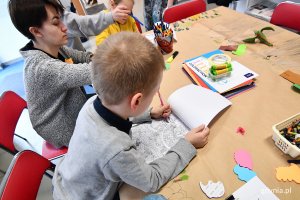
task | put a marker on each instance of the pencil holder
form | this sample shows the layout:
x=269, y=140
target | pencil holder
x=165, y=44
x=285, y=135
x=163, y=35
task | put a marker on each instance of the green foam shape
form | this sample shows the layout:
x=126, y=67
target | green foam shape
x=167, y=65
x=240, y=50
x=184, y=177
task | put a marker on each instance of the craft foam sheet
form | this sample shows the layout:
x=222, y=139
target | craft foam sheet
x=154, y=197
x=290, y=173
x=240, y=50
x=212, y=189
x=243, y=158
x=244, y=174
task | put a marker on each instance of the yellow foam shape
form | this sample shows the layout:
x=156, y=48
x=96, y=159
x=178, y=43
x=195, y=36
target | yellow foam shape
x=290, y=173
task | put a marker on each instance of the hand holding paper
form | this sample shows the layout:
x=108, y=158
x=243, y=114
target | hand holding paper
x=198, y=136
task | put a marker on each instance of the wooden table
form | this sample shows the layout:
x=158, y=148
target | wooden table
x=271, y=101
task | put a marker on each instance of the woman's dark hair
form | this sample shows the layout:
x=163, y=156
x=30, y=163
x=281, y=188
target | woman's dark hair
x=30, y=13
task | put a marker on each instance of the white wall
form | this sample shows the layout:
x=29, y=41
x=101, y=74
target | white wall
x=10, y=39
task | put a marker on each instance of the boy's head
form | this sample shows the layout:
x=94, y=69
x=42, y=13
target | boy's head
x=124, y=65
x=30, y=13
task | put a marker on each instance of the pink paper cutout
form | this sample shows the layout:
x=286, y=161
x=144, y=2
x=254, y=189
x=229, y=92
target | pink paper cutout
x=243, y=158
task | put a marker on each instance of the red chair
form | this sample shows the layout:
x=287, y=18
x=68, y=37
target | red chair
x=287, y=14
x=24, y=175
x=183, y=10
x=11, y=107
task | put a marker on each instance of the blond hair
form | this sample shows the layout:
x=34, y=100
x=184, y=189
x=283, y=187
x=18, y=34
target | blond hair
x=125, y=63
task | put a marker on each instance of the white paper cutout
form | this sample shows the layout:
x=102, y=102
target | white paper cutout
x=213, y=190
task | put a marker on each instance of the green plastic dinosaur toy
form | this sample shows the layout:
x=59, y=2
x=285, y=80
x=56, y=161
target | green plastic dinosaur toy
x=260, y=36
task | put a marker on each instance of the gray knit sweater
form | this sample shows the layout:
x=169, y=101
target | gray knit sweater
x=100, y=157
x=53, y=92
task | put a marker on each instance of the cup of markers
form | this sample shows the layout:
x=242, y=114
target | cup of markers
x=163, y=35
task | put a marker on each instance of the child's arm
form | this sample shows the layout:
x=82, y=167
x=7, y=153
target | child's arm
x=198, y=136
x=88, y=25
x=151, y=177
x=91, y=25
x=130, y=167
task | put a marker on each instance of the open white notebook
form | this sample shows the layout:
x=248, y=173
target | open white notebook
x=196, y=105
x=191, y=106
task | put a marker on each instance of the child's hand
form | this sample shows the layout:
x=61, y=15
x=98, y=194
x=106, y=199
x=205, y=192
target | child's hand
x=161, y=111
x=198, y=136
x=120, y=14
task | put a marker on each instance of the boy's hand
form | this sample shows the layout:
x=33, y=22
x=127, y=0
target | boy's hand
x=198, y=136
x=161, y=111
x=120, y=14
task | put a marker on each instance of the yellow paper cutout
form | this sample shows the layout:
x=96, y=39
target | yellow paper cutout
x=290, y=173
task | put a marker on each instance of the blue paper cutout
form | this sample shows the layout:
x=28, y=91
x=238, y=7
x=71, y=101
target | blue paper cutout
x=244, y=174
x=154, y=197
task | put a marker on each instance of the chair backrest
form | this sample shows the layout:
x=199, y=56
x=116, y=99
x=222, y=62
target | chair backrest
x=287, y=14
x=184, y=10
x=11, y=107
x=23, y=177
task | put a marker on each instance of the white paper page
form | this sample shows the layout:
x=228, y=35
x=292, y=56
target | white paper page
x=196, y=105
x=239, y=75
x=253, y=190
